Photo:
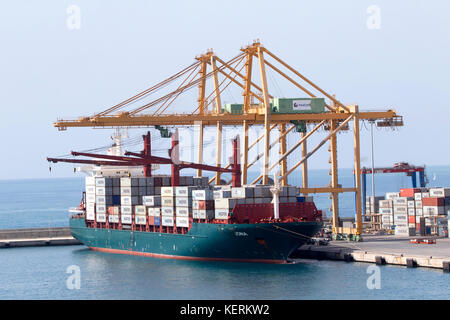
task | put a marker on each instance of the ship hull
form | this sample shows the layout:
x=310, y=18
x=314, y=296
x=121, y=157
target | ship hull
x=264, y=242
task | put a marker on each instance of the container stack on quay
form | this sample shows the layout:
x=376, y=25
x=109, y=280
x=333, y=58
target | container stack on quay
x=142, y=203
x=412, y=211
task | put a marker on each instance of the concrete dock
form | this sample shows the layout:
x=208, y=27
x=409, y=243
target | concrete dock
x=59, y=236
x=383, y=250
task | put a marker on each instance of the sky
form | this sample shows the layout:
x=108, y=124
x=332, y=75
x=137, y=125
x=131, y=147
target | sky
x=377, y=54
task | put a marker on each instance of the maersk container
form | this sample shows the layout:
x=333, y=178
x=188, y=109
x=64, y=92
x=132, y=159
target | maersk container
x=298, y=105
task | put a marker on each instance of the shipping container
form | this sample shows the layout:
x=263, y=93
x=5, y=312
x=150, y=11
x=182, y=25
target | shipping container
x=151, y=201
x=206, y=194
x=182, y=222
x=126, y=210
x=440, y=192
x=167, y=211
x=221, y=213
x=141, y=220
x=167, y=221
x=204, y=204
x=433, y=201
x=183, y=201
x=182, y=212
x=184, y=191
x=167, y=201
x=408, y=192
x=126, y=219
x=140, y=210
x=297, y=105
x=100, y=217
x=242, y=192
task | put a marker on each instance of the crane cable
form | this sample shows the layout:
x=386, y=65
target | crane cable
x=149, y=90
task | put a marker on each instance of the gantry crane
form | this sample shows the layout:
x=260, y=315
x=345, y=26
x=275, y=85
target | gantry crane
x=256, y=110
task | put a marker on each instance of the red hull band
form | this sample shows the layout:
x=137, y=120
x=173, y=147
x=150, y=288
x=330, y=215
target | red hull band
x=168, y=256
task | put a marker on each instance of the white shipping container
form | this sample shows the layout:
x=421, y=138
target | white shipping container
x=418, y=196
x=126, y=210
x=183, y=201
x=419, y=212
x=425, y=195
x=89, y=181
x=182, y=222
x=411, y=204
x=100, y=208
x=125, y=182
x=182, y=212
x=125, y=191
x=90, y=190
x=387, y=211
x=392, y=195
x=100, y=191
x=411, y=212
x=90, y=216
x=126, y=219
x=167, y=221
x=418, y=203
x=168, y=191
x=100, y=217
x=400, y=209
x=167, y=201
x=184, y=191
x=433, y=210
x=401, y=201
x=385, y=203
x=221, y=214
x=387, y=219
x=100, y=199
x=100, y=181
x=401, y=231
x=90, y=198
x=140, y=210
x=167, y=211
x=140, y=220
x=440, y=192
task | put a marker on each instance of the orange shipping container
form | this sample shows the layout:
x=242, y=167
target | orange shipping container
x=433, y=202
x=411, y=219
x=408, y=192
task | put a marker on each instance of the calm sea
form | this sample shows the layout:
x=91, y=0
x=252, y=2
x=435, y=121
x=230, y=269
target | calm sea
x=47, y=272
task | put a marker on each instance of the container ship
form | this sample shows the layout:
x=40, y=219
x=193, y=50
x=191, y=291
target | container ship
x=183, y=217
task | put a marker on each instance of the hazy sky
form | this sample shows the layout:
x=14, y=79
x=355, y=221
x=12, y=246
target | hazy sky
x=49, y=71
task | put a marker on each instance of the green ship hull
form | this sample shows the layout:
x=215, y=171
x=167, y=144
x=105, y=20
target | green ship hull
x=261, y=242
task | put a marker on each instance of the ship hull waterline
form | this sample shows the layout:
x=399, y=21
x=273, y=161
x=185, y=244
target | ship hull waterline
x=261, y=242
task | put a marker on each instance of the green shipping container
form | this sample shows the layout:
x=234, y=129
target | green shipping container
x=233, y=108
x=298, y=105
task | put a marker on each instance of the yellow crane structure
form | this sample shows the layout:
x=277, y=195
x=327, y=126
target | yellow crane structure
x=256, y=110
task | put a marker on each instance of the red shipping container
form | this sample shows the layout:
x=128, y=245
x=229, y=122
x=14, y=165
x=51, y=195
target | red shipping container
x=205, y=204
x=411, y=219
x=408, y=192
x=439, y=202
x=151, y=221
